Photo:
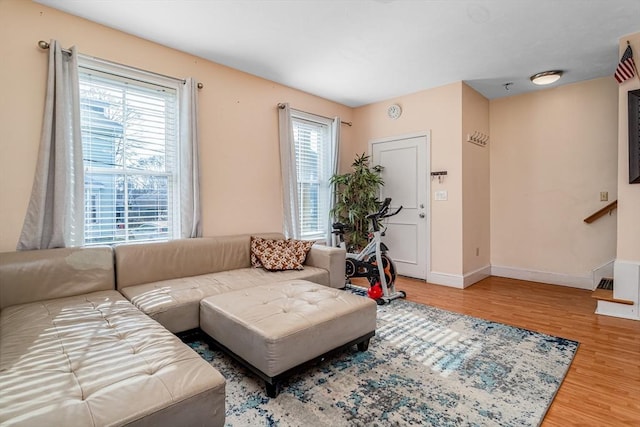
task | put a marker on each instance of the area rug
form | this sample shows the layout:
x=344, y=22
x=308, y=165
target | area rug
x=425, y=366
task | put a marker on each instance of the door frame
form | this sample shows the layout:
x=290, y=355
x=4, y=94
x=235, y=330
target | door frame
x=427, y=197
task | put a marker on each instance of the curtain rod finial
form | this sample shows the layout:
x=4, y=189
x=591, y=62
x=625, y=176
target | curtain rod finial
x=43, y=44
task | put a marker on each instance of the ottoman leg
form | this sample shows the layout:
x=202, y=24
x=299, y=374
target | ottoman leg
x=363, y=345
x=272, y=389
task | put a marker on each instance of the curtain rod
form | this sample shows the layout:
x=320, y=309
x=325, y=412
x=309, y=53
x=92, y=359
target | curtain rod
x=44, y=45
x=281, y=106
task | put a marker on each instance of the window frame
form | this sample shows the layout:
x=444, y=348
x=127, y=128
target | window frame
x=324, y=175
x=125, y=75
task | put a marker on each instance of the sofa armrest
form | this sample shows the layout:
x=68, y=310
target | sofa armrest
x=331, y=259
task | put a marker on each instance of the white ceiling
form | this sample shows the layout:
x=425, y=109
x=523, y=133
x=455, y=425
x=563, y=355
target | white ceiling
x=356, y=52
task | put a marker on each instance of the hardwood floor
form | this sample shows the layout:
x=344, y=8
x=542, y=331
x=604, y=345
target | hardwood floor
x=602, y=387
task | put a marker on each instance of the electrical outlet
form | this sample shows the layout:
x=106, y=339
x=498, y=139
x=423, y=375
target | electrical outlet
x=604, y=196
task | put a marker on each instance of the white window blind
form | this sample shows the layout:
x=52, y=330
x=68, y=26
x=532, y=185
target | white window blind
x=312, y=142
x=129, y=140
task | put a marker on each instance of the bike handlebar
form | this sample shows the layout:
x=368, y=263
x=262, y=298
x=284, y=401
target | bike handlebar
x=382, y=212
x=339, y=228
x=395, y=213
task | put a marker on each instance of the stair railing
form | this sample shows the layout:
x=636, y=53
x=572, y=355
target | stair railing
x=602, y=212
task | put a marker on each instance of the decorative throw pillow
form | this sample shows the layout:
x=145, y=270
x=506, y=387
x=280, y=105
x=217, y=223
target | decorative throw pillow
x=276, y=255
x=257, y=245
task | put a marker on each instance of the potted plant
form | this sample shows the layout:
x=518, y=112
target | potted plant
x=356, y=197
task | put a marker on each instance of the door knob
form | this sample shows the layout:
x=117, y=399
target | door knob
x=421, y=215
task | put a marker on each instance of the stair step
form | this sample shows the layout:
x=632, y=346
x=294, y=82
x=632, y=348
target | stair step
x=604, y=292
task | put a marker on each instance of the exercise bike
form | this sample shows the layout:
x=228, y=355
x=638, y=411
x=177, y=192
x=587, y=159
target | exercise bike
x=367, y=262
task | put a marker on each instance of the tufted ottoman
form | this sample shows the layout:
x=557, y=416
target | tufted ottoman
x=274, y=328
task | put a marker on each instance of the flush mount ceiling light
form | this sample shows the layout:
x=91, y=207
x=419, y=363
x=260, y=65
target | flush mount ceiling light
x=546, y=77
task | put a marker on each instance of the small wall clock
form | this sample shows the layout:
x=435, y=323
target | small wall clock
x=394, y=111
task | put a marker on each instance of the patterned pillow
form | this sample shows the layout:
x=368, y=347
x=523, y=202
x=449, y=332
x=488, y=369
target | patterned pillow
x=257, y=245
x=300, y=248
x=276, y=255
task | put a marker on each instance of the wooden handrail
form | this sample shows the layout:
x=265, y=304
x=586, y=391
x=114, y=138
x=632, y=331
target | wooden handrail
x=602, y=212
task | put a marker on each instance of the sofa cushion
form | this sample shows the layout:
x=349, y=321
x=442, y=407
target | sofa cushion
x=28, y=276
x=279, y=254
x=97, y=360
x=176, y=303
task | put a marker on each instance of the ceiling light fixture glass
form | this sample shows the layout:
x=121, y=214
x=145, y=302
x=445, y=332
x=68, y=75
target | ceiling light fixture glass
x=546, y=77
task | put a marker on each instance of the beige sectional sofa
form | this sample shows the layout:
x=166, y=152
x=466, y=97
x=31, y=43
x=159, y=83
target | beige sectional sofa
x=75, y=351
x=168, y=280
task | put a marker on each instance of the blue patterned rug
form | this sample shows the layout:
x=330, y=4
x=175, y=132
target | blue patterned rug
x=425, y=366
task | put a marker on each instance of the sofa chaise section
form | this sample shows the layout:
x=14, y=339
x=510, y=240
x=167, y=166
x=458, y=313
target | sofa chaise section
x=74, y=351
x=167, y=280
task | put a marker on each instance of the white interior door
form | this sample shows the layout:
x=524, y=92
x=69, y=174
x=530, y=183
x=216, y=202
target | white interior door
x=405, y=169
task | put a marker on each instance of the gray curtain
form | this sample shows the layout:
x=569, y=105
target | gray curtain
x=55, y=215
x=291, y=220
x=190, y=211
x=335, y=151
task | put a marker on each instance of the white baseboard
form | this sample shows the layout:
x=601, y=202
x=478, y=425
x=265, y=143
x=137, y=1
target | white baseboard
x=446, y=279
x=476, y=275
x=458, y=281
x=582, y=282
x=626, y=276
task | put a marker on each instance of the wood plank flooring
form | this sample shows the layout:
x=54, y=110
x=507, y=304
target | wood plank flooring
x=602, y=387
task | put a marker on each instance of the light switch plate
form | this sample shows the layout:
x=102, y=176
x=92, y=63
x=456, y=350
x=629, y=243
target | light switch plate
x=441, y=195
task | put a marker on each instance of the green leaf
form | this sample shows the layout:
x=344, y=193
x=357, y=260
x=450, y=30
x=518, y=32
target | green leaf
x=356, y=196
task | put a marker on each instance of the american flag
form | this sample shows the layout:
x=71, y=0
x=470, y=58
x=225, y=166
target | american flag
x=626, y=68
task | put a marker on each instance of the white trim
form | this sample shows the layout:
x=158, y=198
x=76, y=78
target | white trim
x=419, y=134
x=626, y=285
x=427, y=135
x=458, y=281
x=608, y=308
x=92, y=71
x=446, y=279
x=118, y=71
x=626, y=280
x=602, y=271
x=476, y=275
x=325, y=150
x=581, y=282
x=310, y=117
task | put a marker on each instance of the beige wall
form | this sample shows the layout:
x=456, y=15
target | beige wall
x=241, y=190
x=628, y=246
x=475, y=183
x=438, y=111
x=552, y=153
